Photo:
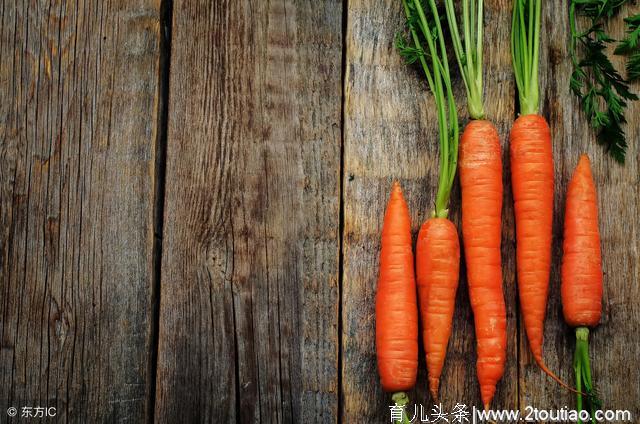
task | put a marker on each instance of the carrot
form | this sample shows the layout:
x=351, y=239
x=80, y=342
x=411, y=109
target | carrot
x=438, y=250
x=481, y=186
x=581, y=263
x=532, y=179
x=582, y=273
x=437, y=266
x=396, y=304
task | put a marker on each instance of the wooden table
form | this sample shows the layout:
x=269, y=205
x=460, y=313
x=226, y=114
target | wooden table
x=191, y=195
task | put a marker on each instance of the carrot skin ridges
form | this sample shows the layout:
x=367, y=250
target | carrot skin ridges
x=437, y=268
x=480, y=165
x=532, y=180
x=396, y=303
x=581, y=262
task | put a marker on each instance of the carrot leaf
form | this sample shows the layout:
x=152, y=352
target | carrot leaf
x=630, y=46
x=410, y=53
x=602, y=91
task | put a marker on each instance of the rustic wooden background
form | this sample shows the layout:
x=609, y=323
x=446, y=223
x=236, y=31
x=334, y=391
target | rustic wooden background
x=191, y=195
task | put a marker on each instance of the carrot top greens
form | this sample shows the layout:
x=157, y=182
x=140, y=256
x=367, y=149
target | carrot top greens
x=602, y=91
x=525, y=51
x=630, y=47
x=423, y=22
x=468, y=50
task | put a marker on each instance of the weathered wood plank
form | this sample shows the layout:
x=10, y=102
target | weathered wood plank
x=391, y=133
x=249, y=300
x=614, y=346
x=77, y=149
x=384, y=139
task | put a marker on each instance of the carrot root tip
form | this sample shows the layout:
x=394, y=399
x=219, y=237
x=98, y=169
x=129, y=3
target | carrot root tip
x=433, y=391
x=551, y=374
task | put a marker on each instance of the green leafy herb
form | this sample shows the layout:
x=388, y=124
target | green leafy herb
x=410, y=53
x=597, y=9
x=603, y=92
x=427, y=47
x=630, y=47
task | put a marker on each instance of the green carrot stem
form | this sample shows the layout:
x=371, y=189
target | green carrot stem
x=469, y=53
x=525, y=52
x=439, y=79
x=582, y=368
x=578, y=372
x=402, y=400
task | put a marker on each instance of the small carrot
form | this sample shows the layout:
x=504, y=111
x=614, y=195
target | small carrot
x=481, y=187
x=396, y=304
x=581, y=262
x=532, y=179
x=438, y=262
x=438, y=250
x=582, y=273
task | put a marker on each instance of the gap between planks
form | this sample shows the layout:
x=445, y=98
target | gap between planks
x=164, y=68
x=343, y=81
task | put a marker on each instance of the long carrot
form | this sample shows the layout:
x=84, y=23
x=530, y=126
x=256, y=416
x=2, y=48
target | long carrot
x=582, y=273
x=396, y=304
x=481, y=183
x=532, y=178
x=438, y=250
x=481, y=186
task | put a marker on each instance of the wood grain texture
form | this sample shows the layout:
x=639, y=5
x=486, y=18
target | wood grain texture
x=391, y=133
x=77, y=149
x=613, y=345
x=269, y=260
x=249, y=300
x=384, y=140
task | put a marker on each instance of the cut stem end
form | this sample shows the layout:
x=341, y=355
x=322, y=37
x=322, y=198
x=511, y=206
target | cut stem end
x=401, y=399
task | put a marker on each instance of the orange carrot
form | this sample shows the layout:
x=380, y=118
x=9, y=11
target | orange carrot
x=532, y=178
x=581, y=263
x=582, y=273
x=481, y=184
x=438, y=250
x=396, y=304
x=437, y=266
